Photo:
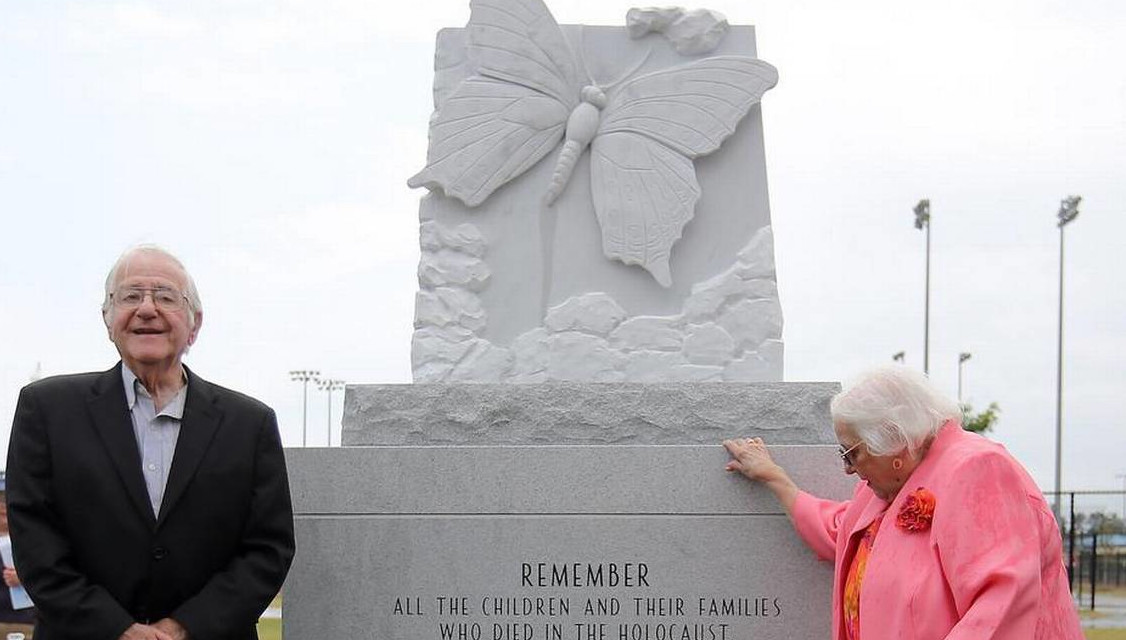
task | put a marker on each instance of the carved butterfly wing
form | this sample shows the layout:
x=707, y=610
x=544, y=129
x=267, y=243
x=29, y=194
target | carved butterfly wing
x=644, y=193
x=693, y=107
x=499, y=123
x=520, y=42
x=642, y=175
x=487, y=133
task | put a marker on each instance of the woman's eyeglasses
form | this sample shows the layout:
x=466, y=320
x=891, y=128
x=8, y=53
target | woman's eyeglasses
x=846, y=454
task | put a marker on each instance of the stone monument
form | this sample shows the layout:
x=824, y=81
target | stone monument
x=597, y=311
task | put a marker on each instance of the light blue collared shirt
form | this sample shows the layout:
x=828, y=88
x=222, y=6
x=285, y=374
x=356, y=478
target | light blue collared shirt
x=156, y=433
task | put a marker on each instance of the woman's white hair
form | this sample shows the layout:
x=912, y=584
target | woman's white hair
x=195, y=305
x=893, y=408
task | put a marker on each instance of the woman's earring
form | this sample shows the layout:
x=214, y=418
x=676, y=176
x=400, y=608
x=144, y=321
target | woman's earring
x=897, y=464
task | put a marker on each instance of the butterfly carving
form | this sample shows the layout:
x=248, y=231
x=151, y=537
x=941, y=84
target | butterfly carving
x=526, y=95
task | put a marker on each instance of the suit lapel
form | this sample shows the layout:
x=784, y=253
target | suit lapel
x=197, y=429
x=115, y=428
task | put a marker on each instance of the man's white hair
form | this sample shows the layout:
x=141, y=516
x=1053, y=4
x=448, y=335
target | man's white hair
x=195, y=305
x=893, y=408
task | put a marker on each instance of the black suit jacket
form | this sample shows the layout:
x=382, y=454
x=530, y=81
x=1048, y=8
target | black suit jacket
x=89, y=550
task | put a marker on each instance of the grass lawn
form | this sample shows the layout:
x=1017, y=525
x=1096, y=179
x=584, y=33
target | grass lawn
x=1090, y=634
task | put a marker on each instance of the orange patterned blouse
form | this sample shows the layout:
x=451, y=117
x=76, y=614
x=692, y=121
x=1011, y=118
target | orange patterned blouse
x=855, y=579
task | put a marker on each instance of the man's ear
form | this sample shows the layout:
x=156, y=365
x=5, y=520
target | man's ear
x=195, y=327
x=109, y=325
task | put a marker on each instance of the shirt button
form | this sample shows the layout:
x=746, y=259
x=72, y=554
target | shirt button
x=159, y=553
x=152, y=467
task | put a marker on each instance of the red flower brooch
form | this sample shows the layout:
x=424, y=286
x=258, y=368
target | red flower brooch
x=917, y=512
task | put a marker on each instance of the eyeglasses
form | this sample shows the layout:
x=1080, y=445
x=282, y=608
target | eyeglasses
x=846, y=454
x=164, y=298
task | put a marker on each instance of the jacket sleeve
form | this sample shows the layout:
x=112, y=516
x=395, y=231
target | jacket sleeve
x=989, y=536
x=818, y=522
x=237, y=595
x=42, y=550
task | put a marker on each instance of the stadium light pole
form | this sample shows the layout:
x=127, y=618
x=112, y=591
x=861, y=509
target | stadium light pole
x=923, y=219
x=1069, y=210
x=962, y=357
x=330, y=385
x=304, y=376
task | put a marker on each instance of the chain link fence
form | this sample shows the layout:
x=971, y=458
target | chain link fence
x=1093, y=526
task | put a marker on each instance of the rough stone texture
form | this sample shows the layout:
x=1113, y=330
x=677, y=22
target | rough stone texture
x=587, y=413
x=697, y=32
x=757, y=258
x=465, y=238
x=595, y=313
x=446, y=306
x=577, y=356
x=647, y=333
x=752, y=322
x=690, y=32
x=641, y=22
x=447, y=345
x=452, y=268
x=726, y=322
x=483, y=363
x=750, y=367
x=531, y=355
x=708, y=344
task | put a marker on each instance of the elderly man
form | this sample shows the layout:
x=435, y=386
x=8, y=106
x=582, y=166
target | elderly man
x=145, y=502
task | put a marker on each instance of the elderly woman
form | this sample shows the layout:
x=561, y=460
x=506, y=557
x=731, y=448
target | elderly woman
x=946, y=535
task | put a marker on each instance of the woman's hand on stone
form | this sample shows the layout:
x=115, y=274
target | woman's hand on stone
x=750, y=457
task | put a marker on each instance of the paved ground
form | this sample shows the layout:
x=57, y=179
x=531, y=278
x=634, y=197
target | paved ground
x=1111, y=611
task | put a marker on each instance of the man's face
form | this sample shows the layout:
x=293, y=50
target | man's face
x=148, y=336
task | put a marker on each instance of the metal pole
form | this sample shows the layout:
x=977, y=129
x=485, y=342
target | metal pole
x=304, y=376
x=1069, y=210
x=1059, y=381
x=329, y=385
x=1071, y=546
x=304, y=411
x=1094, y=564
x=923, y=218
x=959, y=383
x=962, y=357
x=927, y=307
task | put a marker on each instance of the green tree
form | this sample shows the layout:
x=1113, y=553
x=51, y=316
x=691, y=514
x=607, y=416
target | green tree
x=980, y=422
x=1103, y=523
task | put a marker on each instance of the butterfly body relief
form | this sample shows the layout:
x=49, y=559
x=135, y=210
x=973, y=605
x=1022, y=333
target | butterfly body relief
x=582, y=126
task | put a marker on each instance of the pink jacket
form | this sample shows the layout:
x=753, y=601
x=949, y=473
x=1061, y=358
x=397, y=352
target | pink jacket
x=990, y=566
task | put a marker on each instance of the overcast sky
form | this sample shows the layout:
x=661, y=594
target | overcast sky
x=268, y=145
